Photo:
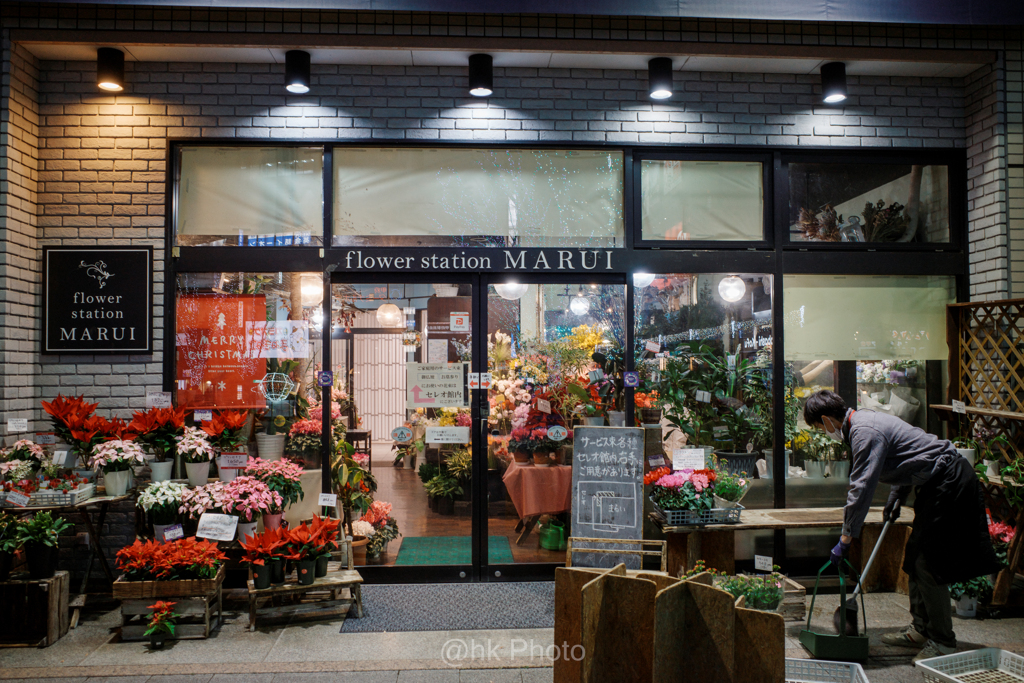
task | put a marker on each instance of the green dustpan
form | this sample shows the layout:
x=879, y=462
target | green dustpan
x=840, y=647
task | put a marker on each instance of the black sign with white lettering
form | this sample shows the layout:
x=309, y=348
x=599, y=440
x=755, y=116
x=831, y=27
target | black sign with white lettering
x=97, y=299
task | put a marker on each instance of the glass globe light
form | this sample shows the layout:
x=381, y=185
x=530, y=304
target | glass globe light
x=312, y=289
x=642, y=280
x=580, y=305
x=510, y=290
x=390, y=315
x=732, y=288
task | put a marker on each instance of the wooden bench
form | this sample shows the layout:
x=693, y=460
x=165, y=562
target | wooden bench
x=715, y=544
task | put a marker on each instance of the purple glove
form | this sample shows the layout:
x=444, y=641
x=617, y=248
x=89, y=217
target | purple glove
x=838, y=553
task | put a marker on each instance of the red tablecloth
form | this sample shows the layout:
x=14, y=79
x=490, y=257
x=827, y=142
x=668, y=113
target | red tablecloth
x=539, y=490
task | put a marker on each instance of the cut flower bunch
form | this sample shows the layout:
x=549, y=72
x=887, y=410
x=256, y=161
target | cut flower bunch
x=185, y=558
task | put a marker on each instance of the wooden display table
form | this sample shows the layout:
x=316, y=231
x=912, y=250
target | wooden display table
x=327, y=605
x=715, y=544
x=34, y=613
x=194, y=599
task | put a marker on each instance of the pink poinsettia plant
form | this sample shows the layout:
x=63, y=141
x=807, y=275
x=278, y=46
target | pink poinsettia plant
x=24, y=449
x=281, y=477
x=117, y=455
x=207, y=498
x=248, y=497
x=195, y=447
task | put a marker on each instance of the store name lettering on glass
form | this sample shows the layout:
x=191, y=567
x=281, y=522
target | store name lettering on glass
x=518, y=260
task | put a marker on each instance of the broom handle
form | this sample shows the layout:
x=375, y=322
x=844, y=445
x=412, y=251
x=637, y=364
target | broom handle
x=871, y=559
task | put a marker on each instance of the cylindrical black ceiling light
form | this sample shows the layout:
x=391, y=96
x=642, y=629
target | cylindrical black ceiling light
x=833, y=82
x=296, y=71
x=659, y=78
x=110, y=69
x=481, y=76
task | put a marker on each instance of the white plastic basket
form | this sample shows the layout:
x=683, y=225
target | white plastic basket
x=988, y=665
x=46, y=497
x=818, y=671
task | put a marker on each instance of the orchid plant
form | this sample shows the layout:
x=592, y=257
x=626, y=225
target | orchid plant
x=117, y=456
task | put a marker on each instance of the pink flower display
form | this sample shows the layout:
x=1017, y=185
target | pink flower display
x=673, y=481
x=207, y=498
x=116, y=455
x=699, y=481
x=379, y=512
x=23, y=449
x=248, y=497
x=463, y=420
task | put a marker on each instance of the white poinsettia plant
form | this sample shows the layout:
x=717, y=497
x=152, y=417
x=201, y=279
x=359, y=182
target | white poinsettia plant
x=194, y=446
x=162, y=501
x=117, y=456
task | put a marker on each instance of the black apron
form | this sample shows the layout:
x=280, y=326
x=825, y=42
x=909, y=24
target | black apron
x=950, y=526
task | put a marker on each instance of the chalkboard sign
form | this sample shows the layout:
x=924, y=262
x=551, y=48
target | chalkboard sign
x=607, y=491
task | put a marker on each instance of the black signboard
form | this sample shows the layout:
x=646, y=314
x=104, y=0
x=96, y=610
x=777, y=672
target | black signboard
x=97, y=300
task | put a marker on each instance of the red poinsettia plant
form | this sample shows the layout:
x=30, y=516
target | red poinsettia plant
x=227, y=429
x=261, y=548
x=159, y=428
x=309, y=541
x=76, y=423
x=185, y=558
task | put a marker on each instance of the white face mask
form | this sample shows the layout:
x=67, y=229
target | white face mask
x=836, y=435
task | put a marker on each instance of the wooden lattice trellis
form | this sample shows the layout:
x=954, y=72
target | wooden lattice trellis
x=986, y=372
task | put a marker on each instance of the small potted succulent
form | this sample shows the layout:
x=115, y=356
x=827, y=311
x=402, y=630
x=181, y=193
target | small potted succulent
x=116, y=459
x=39, y=536
x=197, y=453
x=162, y=500
x=161, y=623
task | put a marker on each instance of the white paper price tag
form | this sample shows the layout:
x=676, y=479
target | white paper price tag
x=474, y=380
x=544, y=406
x=173, y=532
x=158, y=399
x=17, y=499
x=46, y=438
x=688, y=459
x=202, y=415
x=233, y=461
x=17, y=424
x=703, y=396
x=217, y=527
x=762, y=563
x=653, y=346
x=328, y=500
x=656, y=461
x=59, y=457
x=485, y=380
x=960, y=407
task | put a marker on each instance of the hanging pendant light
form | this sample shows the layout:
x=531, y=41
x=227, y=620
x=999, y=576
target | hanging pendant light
x=511, y=290
x=732, y=288
x=833, y=82
x=110, y=69
x=481, y=75
x=659, y=78
x=297, y=72
x=389, y=315
x=312, y=289
x=580, y=305
x=641, y=280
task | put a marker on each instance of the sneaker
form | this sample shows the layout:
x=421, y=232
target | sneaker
x=908, y=637
x=933, y=649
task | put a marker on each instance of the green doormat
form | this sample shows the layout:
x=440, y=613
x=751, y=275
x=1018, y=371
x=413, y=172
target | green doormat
x=427, y=550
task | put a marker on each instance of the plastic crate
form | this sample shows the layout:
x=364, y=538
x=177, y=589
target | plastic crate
x=692, y=518
x=818, y=671
x=988, y=665
x=46, y=497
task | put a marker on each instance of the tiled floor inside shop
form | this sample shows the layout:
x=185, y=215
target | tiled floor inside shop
x=318, y=653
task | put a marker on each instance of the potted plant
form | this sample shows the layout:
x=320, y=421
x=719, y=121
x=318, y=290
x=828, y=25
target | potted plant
x=967, y=594
x=28, y=452
x=270, y=443
x=39, y=535
x=184, y=559
x=762, y=592
x=991, y=446
x=161, y=623
x=248, y=498
x=326, y=530
x=648, y=407
x=385, y=529
x=688, y=491
x=444, y=488
x=116, y=459
x=460, y=465
x=521, y=444
x=210, y=497
x=263, y=552
x=353, y=485
x=302, y=548
x=229, y=432
x=158, y=429
x=18, y=476
x=729, y=487
x=10, y=541
x=813, y=445
x=162, y=500
x=683, y=411
x=75, y=424
x=197, y=453
x=282, y=477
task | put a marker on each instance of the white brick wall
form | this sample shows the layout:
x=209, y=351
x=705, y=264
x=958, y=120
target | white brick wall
x=1015, y=166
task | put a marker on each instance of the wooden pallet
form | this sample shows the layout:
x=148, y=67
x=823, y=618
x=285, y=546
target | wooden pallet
x=34, y=613
x=319, y=600
x=197, y=618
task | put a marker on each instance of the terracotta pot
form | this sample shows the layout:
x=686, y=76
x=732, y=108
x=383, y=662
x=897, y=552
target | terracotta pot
x=359, y=549
x=271, y=522
x=521, y=456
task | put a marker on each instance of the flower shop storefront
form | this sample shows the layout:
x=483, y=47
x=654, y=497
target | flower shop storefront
x=420, y=329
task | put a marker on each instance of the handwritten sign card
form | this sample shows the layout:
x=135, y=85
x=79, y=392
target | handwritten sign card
x=217, y=527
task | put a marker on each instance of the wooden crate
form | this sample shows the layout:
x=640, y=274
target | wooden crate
x=197, y=618
x=130, y=590
x=34, y=613
x=794, y=601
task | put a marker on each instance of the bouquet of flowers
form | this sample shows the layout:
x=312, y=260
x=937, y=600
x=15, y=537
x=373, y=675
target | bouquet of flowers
x=117, y=456
x=159, y=429
x=163, y=500
x=185, y=558
x=194, y=447
x=281, y=477
x=384, y=527
x=685, y=490
x=227, y=429
x=248, y=497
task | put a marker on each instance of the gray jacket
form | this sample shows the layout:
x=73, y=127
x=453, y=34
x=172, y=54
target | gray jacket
x=888, y=450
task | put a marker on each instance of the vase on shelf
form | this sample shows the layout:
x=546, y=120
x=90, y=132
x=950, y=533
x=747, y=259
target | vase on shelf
x=198, y=473
x=116, y=483
x=270, y=446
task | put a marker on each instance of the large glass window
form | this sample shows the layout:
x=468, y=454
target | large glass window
x=702, y=200
x=249, y=196
x=477, y=197
x=894, y=203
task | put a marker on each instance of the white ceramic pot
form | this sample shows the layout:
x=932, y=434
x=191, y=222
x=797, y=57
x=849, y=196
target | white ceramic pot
x=815, y=469
x=616, y=418
x=992, y=468
x=160, y=471
x=245, y=529
x=116, y=483
x=270, y=446
x=966, y=607
x=198, y=473
x=840, y=469
x=769, y=458
x=409, y=462
x=968, y=453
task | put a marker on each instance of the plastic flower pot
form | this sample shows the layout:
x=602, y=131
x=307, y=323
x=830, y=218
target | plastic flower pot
x=992, y=468
x=815, y=469
x=261, y=576
x=198, y=473
x=968, y=453
x=160, y=471
x=245, y=529
x=840, y=470
x=271, y=522
x=276, y=570
x=157, y=640
x=595, y=421
x=270, y=446
x=306, y=571
x=967, y=607
x=116, y=483
x=616, y=418
x=651, y=416
x=321, y=566
x=42, y=560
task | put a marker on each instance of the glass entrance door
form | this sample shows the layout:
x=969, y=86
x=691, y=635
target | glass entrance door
x=401, y=353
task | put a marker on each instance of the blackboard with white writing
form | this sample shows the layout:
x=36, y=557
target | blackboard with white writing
x=607, y=491
x=97, y=299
